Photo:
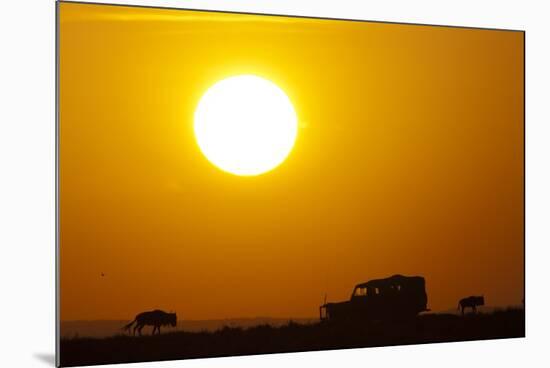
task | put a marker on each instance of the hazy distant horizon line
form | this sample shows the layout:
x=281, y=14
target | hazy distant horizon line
x=195, y=320
x=281, y=318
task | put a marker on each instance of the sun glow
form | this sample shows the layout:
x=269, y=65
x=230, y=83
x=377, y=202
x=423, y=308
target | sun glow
x=245, y=125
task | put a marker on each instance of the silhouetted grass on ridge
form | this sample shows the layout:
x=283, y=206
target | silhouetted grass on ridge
x=292, y=337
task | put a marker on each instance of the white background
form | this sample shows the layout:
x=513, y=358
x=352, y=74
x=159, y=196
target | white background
x=27, y=142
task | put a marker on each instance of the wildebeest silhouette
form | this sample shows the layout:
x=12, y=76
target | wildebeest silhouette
x=472, y=302
x=154, y=318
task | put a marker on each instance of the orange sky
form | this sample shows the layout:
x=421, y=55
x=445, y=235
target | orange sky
x=409, y=159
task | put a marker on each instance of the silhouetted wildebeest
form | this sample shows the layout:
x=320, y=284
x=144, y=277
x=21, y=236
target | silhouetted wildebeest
x=154, y=318
x=472, y=302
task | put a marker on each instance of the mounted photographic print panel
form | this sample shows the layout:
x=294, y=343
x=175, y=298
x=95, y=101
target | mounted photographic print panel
x=235, y=184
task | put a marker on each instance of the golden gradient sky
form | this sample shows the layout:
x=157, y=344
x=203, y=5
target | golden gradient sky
x=409, y=159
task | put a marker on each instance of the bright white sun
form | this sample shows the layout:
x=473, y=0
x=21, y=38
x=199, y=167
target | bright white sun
x=245, y=125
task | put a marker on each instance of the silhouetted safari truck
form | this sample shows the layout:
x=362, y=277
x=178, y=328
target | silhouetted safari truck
x=394, y=297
